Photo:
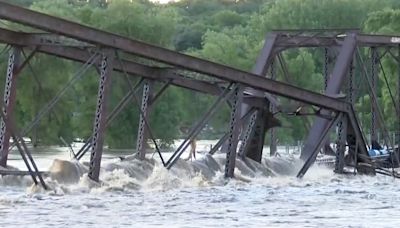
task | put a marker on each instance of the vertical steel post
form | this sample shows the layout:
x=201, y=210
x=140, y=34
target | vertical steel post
x=247, y=134
x=106, y=69
x=273, y=144
x=326, y=68
x=398, y=98
x=343, y=124
x=341, y=146
x=374, y=77
x=234, y=131
x=10, y=92
x=142, y=130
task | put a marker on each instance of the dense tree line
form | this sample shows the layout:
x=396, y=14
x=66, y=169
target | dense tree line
x=230, y=32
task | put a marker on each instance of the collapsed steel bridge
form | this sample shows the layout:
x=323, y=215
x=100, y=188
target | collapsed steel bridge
x=252, y=96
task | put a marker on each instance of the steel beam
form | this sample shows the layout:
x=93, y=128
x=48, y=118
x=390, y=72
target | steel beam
x=341, y=144
x=374, y=82
x=254, y=136
x=225, y=136
x=247, y=134
x=9, y=98
x=363, y=40
x=262, y=64
x=264, y=121
x=334, y=84
x=113, y=114
x=155, y=73
x=234, y=130
x=101, y=114
x=318, y=145
x=273, y=148
x=98, y=37
x=23, y=149
x=355, y=137
x=398, y=100
x=266, y=56
x=143, y=129
x=225, y=95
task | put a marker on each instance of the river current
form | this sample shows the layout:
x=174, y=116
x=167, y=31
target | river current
x=184, y=197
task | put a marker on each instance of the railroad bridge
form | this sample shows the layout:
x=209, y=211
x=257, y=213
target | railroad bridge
x=253, y=97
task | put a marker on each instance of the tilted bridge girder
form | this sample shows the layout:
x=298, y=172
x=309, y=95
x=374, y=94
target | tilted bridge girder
x=102, y=38
x=82, y=54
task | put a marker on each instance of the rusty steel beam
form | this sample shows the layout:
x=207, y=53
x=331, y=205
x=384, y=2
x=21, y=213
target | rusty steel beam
x=266, y=55
x=98, y=37
x=363, y=40
x=156, y=73
x=234, y=131
x=39, y=39
x=100, y=120
x=9, y=99
x=285, y=42
x=143, y=129
x=255, y=141
x=340, y=70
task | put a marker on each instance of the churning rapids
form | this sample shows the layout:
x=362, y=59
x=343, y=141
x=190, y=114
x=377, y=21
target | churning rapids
x=195, y=194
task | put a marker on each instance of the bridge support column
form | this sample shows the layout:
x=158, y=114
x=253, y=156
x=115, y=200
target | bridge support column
x=247, y=134
x=106, y=69
x=374, y=82
x=254, y=147
x=341, y=145
x=143, y=129
x=397, y=135
x=234, y=131
x=273, y=144
x=10, y=92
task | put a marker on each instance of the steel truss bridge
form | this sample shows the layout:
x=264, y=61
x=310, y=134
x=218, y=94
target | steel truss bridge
x=253, y=97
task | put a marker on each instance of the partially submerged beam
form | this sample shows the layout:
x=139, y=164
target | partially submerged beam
x=334, y=84
x=100, y=120
x=144, y=115
x=233, y=135
x=9, y=99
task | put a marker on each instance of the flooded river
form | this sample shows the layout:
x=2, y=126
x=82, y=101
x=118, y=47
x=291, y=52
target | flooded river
x=187, y=197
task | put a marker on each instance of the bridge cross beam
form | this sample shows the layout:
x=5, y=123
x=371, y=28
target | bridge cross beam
x=9, y=98
x=100, y=122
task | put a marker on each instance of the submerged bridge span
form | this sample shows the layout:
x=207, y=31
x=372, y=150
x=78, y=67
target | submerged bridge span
x=254, y=97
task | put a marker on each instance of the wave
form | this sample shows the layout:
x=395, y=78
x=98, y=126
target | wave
x=132, y=174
